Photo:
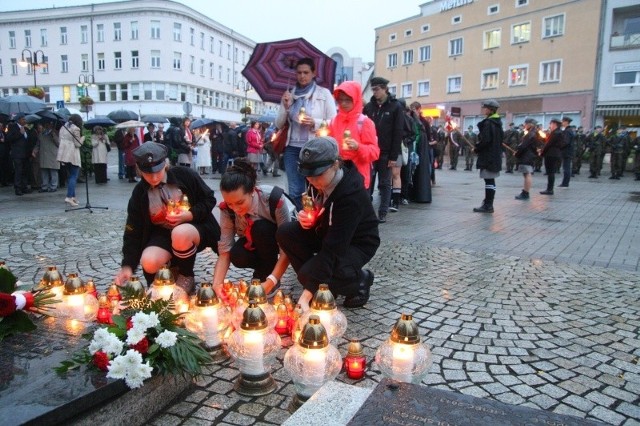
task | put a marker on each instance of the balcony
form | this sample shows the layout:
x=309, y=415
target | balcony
x=625, y=41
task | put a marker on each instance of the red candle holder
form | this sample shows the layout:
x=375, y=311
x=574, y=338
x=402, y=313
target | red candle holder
x=355, y=363
x=103, y=315
x=282, y=321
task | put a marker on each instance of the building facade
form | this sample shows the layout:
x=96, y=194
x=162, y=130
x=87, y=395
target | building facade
x=148, y=56
x=537, y=58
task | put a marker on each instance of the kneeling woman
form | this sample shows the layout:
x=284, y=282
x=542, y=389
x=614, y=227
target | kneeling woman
x=332, y=243
x=159, y=230
x=254, y=214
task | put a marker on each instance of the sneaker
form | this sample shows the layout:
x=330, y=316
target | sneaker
x=188, y=284
x=523, y=196
x=547, y=192
x=405, y=202
x=362, y=296
x=393, y=207
x=72, y=202
x=382, y=217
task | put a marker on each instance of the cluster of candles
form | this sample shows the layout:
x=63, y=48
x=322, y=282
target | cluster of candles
x=175, y=208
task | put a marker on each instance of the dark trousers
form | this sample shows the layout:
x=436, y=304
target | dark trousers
x=383, y=171
x=566, y=170
x=551, y=165
x=6, y=166
x=21, y=172
x=302, y=247
x=100, y=170
x=264, y=256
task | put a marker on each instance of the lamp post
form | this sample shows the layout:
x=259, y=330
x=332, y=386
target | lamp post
x=32, y=59
x=84, y=81
x=244, y=86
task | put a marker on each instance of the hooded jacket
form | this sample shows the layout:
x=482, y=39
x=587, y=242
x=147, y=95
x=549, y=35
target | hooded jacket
x=362, y=130
x=489, y=146
x=348, y=220
x=389, y=120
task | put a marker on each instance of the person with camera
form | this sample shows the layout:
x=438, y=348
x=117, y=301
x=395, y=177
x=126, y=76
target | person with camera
x=160, y=227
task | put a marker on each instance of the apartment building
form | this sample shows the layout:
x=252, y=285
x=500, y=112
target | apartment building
x=148, y=56
x=536, y=57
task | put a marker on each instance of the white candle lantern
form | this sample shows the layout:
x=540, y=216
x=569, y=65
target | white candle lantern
x=77, y=304
x=253, y=347
x=53, y=281
x=324, y=306
x=209, y=320
x=256, y=292
x=164, y=287
x=403, y=357
x=311, y=362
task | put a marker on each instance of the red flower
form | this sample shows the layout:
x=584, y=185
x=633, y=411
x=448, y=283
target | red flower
x=142, y=346
x=129, y=323
x=101, y=360
x=7, y=304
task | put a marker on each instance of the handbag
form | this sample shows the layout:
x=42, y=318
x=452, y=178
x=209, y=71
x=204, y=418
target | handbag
x=279, y=139
x=405, y=154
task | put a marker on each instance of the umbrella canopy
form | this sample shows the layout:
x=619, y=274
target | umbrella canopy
x=130, y=123
x=201, y=122
x=104, y=122
x=49, y=115
x=154, y=118
x=267, y=118
x=21, y=103
x=122, y=115
x=33, y=118
x=271, y=68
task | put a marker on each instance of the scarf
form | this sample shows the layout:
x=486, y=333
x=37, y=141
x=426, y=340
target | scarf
x=301, y=98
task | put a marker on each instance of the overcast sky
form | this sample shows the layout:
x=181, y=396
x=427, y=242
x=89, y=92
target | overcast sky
x=348, y=24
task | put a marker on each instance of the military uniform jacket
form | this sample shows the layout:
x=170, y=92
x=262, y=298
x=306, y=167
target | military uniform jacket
x=595, y=143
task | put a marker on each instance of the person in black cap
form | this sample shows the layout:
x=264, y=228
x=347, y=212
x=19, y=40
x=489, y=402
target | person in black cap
x=162, y=226
x=595, y=146
x=337, y=232
x=568, y=148
x=18, y=141
x=552, y=153
x=526, y=153
x=489, y=150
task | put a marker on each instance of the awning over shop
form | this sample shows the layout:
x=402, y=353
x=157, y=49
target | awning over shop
x=618, y=110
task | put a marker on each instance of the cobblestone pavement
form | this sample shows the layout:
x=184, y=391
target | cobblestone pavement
x=536, y=305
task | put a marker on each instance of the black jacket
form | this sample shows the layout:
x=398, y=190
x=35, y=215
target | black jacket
x=19, y=143
x=389, y=120
x=348, y=221
x=553, y=146
x=138, y=228
x=526, y=152
x=489, y=146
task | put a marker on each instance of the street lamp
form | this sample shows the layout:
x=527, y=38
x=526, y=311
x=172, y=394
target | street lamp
x=244, y=86
x=84, y=81
x=32, y=59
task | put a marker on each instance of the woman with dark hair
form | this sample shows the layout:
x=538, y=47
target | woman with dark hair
x=254, y=144
x=253, y=213
x=101, y=147
x=71, y=140
x=161, y=225
x=129, y=144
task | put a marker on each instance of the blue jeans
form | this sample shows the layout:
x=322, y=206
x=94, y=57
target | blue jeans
x=121, y=171
x=295, y=181
x=72, y=177
x=383, y=171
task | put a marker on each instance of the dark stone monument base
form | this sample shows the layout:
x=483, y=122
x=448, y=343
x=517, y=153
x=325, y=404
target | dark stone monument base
x=394, y=403
x=260, y=385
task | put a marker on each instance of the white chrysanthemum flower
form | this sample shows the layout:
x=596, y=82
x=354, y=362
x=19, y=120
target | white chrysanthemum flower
x=101, y=337
x=167, y=338
x=140, y=320
x=136, y=376
x=94, y=347
x=153, y=319
x=134, y=335
x=132, y=358
x=117, y=369
x=113, y=346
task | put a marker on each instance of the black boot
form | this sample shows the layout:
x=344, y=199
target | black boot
x=484, y=208
x=524, y=195
x=362, y=296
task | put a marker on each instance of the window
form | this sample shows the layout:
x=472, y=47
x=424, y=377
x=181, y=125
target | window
x=202, y=67
x=493, y=9
x=148, y=91
x=425, y=28
x=64, y=63
x=425, y=53
x=228, y=75
x=117, y=60
x=27, y=38
x=235, y=55
x=220, y=48
x=424, y=88
x=135, y=91
x=212, y=70
x=393, y=37
x=202, y=41
x=455, y=47
x=220, y=72
x=43, y=37
x=407, y=57
x=84, y=34
x=12, y=39
x=518, y=75
x=491, y=39
x=489, y=79
x=135, y=59
x=553, y=26
x=14, y=66
x=408, y=33
x=124, y=94
x=211, y=44
x=117, y=31
x=134, y=30
x=192, y=64
x=159, y=91
x=228, y=51
x=521, y=33
x=100, y=33
x=550, y=71
x=155, y=30
x=0, y=66
x=520, y=3
x=192, y=36
x=456, y=20
x=407, y=90
x=63, y=35
x=177, y=32
x=177, y=59
x=393, y=89
x=454, y=84
x=84, y=62
x=626, y=74
x=101, y=63
x=155, y=59
x=392, y=60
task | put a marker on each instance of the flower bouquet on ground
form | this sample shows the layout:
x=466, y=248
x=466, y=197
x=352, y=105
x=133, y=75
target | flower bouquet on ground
x=16, y=301
x=144, y=338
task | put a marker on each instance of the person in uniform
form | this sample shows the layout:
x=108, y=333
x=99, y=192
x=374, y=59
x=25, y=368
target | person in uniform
x=579, y=141
x=525, y=154
x=470, y=155
x=568, y=149
x=618, y=144
x=489, y=150
x=511, y=139
x=595, y=146
x=552, y=154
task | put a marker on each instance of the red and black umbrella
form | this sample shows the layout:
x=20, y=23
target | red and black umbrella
x=271, y=68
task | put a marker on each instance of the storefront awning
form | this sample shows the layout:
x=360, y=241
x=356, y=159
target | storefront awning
x=618, y=110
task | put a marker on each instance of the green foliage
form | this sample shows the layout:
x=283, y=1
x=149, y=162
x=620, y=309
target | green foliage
x=7, y=281
x=18, y=322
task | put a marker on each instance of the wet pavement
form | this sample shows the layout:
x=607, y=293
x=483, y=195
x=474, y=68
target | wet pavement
x=536, y=305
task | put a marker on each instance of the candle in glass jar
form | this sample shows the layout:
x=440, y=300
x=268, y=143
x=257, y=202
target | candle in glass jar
x=209, y=318
x=402, y=362
x=314, y=364
x=254, y=347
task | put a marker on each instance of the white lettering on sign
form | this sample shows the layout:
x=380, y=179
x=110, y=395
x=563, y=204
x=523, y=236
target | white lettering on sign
x=629, y=66
x=451, y=4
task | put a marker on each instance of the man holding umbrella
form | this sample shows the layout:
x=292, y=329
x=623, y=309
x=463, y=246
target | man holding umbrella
x=18, y=140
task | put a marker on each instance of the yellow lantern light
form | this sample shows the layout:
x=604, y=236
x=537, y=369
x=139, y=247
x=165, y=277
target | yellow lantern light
x=77, y=304
x=324, y=306
x=209, y=319
x=53, y=281
x=164, y=287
